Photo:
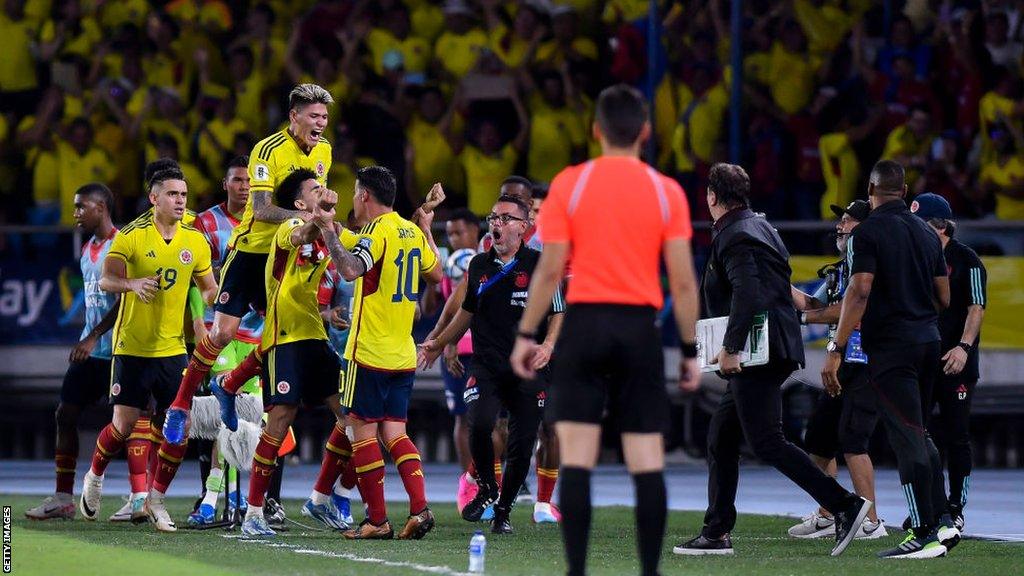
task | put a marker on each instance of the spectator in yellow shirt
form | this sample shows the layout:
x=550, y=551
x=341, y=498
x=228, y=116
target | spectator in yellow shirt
x=1003, y=177
x=395, y=36
x=18, y=82
x=792, y=72
x=557, y=135
x=566, y=45
x=68, y=32
x=516, y=47
x=217, y=136
x=488, y=160
x=430, y=157
x=459, y=46
x=79, y=161
x=910, y=143
x=839, y=163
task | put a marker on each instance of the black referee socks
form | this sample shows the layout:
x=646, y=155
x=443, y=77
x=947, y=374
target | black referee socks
x=574, y=502
x=651, y=511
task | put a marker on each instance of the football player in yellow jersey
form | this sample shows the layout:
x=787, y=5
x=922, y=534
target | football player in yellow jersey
x=241, y=277
x=300, y=365
x=380, y=356
x=152, y=262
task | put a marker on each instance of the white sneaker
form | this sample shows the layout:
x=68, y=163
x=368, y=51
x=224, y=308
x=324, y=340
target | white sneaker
x=57, y=506
x=871, y=530
x=137, y=502
x=92, y=496
x=158, y=515
x=124, y=514
x=814, y=526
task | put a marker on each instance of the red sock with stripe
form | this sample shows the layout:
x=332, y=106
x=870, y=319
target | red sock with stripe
x=369, y=465
x=497, y=471
x=546, y=479
x=138, y=455
x=169, y=458
x=199, y=365
x=156, y=438
x=109, y=443
x=244, y=372
x=337, y=453
x=65, y=463
x=407, y=460
x=264, y=462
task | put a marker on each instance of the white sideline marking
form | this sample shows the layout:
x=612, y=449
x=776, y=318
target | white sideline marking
x=348, y=556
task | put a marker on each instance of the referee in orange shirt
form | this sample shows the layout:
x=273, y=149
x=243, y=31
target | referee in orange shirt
x=617, y=219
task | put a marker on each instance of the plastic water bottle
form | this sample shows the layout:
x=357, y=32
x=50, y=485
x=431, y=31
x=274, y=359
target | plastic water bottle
x=477, y=552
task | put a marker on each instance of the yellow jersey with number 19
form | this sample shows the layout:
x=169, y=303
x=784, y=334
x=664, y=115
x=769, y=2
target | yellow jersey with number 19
x=396, y=252
x=271, y=160
x=156, y=330
x=293, y=278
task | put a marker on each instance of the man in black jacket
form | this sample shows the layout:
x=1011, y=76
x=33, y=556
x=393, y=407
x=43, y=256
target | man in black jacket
x=747, y=275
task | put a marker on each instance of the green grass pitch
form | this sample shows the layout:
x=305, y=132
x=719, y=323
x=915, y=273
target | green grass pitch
x=61, y=548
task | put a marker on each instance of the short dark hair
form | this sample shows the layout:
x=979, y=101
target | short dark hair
x=621, y=114
x=516, y=179
x=465, y=215
x=164, y=175
x=947, y=227
x=539, y=192
x=289, y=189
x=523, y=208
x=158, y=165
x=379, y=182
x=238, y=162
x=888, y=177
x=98, y=191
x=730, y=183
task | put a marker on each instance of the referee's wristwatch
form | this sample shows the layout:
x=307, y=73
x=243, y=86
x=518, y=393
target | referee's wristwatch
x=834, y=348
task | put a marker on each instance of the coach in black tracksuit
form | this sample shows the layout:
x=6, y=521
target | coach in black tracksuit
x=960, y=330
x=497, y=288
x=748, y=274
x=898, y=284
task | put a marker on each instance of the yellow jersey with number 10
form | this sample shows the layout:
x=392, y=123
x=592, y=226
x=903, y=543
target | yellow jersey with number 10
x=156, y=330
x=385, y=296
x=271, y=160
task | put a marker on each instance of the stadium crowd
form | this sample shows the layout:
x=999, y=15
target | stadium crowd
x=469, y=91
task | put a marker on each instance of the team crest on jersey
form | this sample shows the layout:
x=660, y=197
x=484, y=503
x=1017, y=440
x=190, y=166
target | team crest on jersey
x=185, y=256
x=522, y=280
x=320, y=169
x=541, y=397
x=115, y=389
x=224, y=297
x=914, y=206
x=283, y=387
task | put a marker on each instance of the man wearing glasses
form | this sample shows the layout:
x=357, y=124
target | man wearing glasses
x=497, y=288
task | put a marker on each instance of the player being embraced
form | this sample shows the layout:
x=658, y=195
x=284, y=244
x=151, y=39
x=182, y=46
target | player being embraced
x=241, y=283
x=301, y=367
x=151, y=263
x=380, y=356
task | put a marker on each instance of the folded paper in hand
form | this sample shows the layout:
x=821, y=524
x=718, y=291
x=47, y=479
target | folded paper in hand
x=711, y=333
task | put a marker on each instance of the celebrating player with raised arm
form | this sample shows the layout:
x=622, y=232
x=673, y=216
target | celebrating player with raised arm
x=151, y=262
x=241, y=284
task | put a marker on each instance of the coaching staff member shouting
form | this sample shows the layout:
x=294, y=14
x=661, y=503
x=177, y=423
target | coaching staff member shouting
x=898, y=283
x=617, y=219
x=960, y=329
x=748, y=274
x=495, y=297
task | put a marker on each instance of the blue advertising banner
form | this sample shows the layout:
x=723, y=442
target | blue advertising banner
x=41, y=300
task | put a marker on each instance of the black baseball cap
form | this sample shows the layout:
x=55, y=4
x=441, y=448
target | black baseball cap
x=858, y=210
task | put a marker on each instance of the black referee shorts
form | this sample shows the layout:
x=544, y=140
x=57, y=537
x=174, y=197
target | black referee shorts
x=242, y=284
x=609, y=357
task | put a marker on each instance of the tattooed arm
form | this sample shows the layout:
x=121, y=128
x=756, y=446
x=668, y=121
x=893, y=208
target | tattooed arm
x=264, y=210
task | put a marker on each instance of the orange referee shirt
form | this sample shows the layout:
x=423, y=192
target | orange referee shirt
x=616, y=213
